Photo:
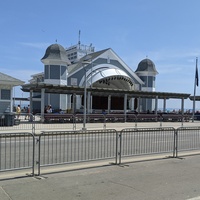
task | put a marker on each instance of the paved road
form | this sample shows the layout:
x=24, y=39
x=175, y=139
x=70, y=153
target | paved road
x=159, y=179
x=91, y=126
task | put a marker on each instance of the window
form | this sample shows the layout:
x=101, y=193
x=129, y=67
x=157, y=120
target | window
x=63, y=73
x=54, y=72
x=5, y=94
x=46, y=72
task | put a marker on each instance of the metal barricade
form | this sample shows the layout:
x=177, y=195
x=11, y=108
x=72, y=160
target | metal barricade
x=62, y=147
x=146, y=141
x=188, y=139
x=55, y=122
x=17, y=151
x=12, y=122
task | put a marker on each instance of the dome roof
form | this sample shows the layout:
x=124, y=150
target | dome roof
x=146, y=65
x=56, y=52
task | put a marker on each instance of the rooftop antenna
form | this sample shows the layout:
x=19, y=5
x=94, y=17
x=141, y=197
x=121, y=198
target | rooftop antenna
x=79, y=41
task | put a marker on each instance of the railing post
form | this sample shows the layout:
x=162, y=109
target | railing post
x=33, y=123
x=39, y=152
x=74, y=121
x=175, y=151
x=116, y=155
x=120, y=147
x=33, y=164
x=104, y=121
x=182, y=119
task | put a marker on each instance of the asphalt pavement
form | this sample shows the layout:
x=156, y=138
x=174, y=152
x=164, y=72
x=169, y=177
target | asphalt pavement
x=154, y=179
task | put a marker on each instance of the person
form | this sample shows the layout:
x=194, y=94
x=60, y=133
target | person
x=45, y=109
x=49, y=109
x=28, y=113
x=18, y=111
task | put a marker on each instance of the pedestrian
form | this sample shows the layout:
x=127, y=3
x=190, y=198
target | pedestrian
x=49, y=109
x=28, y=113
x=18, y=111
x=45, y=109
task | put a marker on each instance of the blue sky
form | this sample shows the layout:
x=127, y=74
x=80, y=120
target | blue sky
x=167, y=31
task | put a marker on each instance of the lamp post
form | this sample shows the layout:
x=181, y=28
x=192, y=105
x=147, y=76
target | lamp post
x=87, y=60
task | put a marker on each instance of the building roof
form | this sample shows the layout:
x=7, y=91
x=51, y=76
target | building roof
x=57, y=89
x=56, y=52
x=146, y=65
x=9, y=80
x=196, y=98
x=72, y=68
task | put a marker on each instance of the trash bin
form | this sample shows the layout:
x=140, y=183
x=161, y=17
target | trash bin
x=9, y=119
x=2, y=119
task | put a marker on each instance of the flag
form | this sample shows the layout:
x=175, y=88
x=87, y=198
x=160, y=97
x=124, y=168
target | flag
x=196, y=75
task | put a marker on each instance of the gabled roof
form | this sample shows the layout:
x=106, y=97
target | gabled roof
x=74, y=67
x=77, y=66
x=9, y=80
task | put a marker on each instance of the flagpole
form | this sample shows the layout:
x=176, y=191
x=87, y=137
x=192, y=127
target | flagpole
x=196, y=80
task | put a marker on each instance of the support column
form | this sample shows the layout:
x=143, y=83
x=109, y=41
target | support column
x=131, y=104
x=74, y=103
x=109, y=103
x=164, y=104
x=68, y=100
x=156, y=105
x=182, y=110
x=125, y=103
x=31, y=101
x=12, y=102
x=31, y=105
x=42, y=104
x=182, y=106
x=139, y=104
x=91, y=98
x=136, y=104
x=125, y=106
x=88, y=102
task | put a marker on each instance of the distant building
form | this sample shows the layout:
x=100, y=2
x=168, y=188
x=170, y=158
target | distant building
x=102, y=69
x=6, y=92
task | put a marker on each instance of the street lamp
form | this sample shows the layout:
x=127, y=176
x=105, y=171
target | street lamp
x=87, y=60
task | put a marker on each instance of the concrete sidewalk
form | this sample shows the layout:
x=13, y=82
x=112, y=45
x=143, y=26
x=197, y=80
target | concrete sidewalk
x=154, y=179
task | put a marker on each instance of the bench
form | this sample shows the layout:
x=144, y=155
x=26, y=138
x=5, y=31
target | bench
x=58, y=118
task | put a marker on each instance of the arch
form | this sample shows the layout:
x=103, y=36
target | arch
x=107, y=76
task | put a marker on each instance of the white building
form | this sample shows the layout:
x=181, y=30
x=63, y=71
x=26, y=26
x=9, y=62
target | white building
x=7, y=83
x=101, y=69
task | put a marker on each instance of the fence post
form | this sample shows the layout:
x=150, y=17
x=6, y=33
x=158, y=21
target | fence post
x=175, y=151
x=33, y=164
x=38, y=162
x=120, y=147
x=33, y=123
x=104, y=121
x=74, y=121
x=182, y=119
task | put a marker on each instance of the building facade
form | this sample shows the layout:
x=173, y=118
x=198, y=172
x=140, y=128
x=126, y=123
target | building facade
x=81, y=66
x=7, y=84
